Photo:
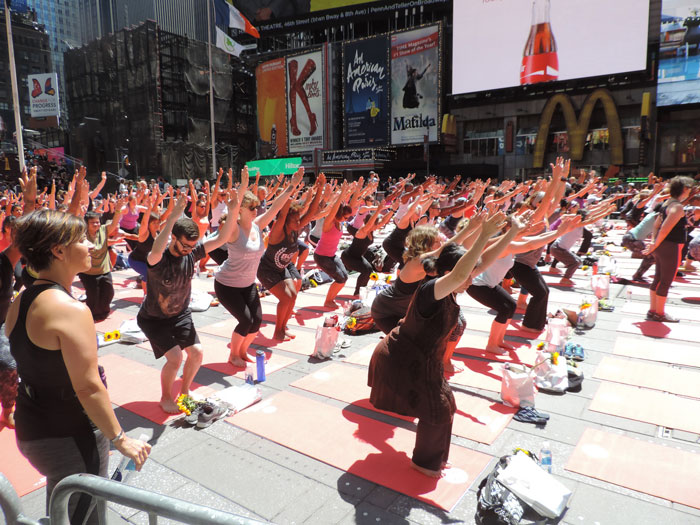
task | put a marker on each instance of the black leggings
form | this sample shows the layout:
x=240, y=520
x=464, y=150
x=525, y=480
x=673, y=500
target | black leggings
x=531, y=280
x=586, y=242
x=243, y=304
x=496, y=298
x=358, y=264
x=667, y=257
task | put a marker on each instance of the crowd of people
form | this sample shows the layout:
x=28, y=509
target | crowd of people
x=441, y=237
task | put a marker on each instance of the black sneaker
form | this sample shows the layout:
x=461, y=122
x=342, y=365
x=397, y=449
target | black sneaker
x=209, y=414
x=665, y=318
x=194, y=415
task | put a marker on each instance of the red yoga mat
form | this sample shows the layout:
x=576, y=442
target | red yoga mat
x=665, y=352
x=16, y=467
x=136, y=387
x=367, y=448
x=482, y=323
x=303, y=343
x=649, y=406
x=657, y=377
x=216, y=354
x=114, y=321
x=679, y=331
x=477, y=418
x=637, y=308
x=300, y=317
x=660, y=471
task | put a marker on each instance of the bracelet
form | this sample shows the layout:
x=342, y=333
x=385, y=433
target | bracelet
x=117, y=437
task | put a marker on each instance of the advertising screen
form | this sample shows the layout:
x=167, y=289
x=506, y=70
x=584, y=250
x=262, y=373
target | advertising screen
x=43, y=95
x=272, y=108
x=679, y=53
x=507, y=43
x=305, y=101
x=366, y=92
x=415, y=97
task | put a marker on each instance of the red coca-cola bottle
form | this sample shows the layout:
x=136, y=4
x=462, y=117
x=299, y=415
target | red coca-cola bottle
x=540, y=60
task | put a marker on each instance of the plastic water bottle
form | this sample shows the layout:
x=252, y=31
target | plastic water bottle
x=249, y=377
x=546, y=457
x=126, y=465
x=628, y=294
x=260, y=362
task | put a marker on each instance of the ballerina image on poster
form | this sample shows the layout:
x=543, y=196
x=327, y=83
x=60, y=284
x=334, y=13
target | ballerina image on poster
x=411, y=97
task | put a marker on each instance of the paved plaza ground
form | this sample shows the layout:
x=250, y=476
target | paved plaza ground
x=229, y=468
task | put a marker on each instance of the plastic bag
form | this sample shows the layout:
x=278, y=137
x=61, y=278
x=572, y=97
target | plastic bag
x=326, y=339
x=550, y=376
x=557, y=332
x=517, y=386
x=588, y=312
x=600, y=284
x=539, y=489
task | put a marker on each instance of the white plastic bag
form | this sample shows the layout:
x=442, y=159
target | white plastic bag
x=588, y=311
x=550, y=376
x=600, y=284
x=200, y=301
x=534, y=486
x=517, y=386
x=557, y=332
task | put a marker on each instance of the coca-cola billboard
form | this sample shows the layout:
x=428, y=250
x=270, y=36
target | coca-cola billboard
x=505, y=43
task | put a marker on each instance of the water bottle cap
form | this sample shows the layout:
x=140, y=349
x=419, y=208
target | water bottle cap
x=260, y=352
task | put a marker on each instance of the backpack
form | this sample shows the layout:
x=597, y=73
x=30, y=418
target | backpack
x=497, y=505
x=314, y=278
x=360, y=321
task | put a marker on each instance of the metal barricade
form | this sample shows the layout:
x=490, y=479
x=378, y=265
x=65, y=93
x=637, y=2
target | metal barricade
x=156, y=505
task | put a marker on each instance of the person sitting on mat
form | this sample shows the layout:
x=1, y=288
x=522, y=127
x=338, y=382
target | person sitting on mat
x=165, y=316
x=64, y=417
x=406, y=375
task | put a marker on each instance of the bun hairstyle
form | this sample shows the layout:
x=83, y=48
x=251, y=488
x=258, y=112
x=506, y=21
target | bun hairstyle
x=445, y=262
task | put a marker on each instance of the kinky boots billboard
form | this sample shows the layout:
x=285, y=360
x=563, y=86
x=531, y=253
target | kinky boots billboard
x=305, y=101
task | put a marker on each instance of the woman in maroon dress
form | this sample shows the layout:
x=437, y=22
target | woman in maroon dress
x=406, y=372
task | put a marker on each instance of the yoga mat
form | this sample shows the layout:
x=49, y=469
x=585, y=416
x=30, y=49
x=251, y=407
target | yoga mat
x=657, y=377
x=114, y=321
x=367, y=448
x=664, y=352
x=303, y=343
x=136, y=387
x=16, y=467
x=477, y=418
x=482, y=323
x=300, y=317
x=315, y=301
x=649, y=406
x=478, y=374
x=679, y=331
x=638, y=308
x=216, y=354
x=660, y=471
x=362, y=356
x=473, y=345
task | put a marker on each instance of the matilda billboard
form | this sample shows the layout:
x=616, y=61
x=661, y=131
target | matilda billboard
x=272, y=108
x=366, y=92
x=415, y=97
x=305, y=101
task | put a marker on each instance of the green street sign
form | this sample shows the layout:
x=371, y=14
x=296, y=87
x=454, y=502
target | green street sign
x=269, y=167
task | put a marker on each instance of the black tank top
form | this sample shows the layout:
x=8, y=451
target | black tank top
x=397, y=237
x=46, y=402
x=677, y=233
x=358, y=247
x=141, y=250
x=280, y=255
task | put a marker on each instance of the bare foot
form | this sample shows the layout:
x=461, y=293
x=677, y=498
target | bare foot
x=236, y=362
x=281, y=336
x=446, y=465
x=566, y=282
x=506, y=346
x=289, y=334
x=330, y=304
x=427, y=472
x=169, y=406
x=496, y=350
x=246, y=357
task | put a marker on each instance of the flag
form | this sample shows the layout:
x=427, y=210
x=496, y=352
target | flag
x=225, y=42
x=229, y=16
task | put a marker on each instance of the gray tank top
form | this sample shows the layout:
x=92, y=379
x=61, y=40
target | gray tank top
x=244, y=254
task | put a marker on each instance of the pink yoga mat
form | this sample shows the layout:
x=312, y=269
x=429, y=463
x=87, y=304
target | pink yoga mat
x=649, y=406
x=648, y=375
x=683, y=331
x=661, y=471
x=16, y=468
x=303, y=343
x=359, y=445
x=477, y=418
x=114, y=321
x=639, y=308
x=136, y=387
x=654, y=350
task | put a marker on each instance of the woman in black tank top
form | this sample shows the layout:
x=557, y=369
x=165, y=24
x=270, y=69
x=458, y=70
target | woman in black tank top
x=52, y=338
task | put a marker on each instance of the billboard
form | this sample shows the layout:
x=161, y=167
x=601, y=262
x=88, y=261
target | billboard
x=272, y=108
x=517, y=42
x=43, y=95
x=415, y=96
x=274, y=167
x=305, y=101
x=366, y=92
x=679, y=53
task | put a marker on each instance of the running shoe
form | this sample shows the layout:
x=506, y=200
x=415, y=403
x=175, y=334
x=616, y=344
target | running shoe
x=210, y=413
x=665, y=318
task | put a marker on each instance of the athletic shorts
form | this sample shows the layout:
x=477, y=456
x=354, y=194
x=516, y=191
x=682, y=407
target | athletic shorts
x=333, y=266
x=166, y=334
x=269, y=277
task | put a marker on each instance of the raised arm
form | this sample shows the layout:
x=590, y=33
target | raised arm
x=267, y=217
x=161, y=241
x=94, y=193
x=113, y=225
